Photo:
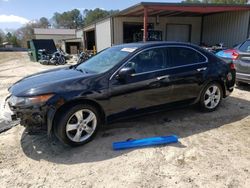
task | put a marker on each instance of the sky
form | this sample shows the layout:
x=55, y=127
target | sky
x=15, y=13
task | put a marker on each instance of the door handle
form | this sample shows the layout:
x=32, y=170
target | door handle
x=201, y=69
x=162, y=77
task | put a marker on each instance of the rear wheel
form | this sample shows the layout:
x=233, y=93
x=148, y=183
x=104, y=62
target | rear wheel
x=78, y=125
x=211, y=97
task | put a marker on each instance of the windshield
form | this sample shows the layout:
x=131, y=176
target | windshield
x=105, y=60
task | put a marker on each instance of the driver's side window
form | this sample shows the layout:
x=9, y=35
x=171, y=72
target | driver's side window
x=149, y=60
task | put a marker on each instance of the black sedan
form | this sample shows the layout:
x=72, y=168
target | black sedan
x=121, y=81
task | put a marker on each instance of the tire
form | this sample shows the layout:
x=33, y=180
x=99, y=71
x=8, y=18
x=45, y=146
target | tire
x=73, y=130
x=211, y=97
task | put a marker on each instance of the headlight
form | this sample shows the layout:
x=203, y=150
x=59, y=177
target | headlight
x=19, y=101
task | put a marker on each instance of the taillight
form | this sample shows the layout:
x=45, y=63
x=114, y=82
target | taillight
x=235, y=55
x=230, y=51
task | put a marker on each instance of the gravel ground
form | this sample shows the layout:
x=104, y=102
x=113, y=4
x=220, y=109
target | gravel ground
x=213, y=150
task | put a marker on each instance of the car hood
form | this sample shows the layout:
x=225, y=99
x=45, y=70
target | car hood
x=51, y=81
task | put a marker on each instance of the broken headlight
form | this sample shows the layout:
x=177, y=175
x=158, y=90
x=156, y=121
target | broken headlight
x=26, y=101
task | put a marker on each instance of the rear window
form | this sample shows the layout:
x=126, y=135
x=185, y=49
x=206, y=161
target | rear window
x=245, y=47
x=184, y=56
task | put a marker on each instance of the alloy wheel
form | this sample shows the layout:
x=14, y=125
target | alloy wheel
x=212, y=97
x=81, y=125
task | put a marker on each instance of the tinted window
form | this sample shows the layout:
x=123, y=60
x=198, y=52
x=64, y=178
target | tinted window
x=245, y=47
x=149, y=60
x=184, y=56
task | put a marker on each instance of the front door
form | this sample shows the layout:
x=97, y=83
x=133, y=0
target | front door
x=148, y=86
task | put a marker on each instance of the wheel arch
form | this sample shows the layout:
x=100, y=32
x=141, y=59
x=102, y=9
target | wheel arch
x=220, y=82
x=75, y=102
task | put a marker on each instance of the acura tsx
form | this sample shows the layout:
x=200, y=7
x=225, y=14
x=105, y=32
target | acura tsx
x=121, y=81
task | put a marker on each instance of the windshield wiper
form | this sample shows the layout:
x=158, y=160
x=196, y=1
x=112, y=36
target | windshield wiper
x=81, y=70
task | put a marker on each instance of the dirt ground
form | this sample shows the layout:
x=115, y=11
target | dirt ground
x=214, y=148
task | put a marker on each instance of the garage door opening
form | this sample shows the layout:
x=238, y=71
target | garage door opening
x=90, y=40
x=178, y=32
x=133, y=32
x=73, y=47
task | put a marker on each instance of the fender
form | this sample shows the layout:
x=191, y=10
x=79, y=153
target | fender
x=50, y=117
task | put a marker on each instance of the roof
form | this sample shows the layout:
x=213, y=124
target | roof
x=147, y=44
x=42, y=31
x=180, y=9
x=175, y=9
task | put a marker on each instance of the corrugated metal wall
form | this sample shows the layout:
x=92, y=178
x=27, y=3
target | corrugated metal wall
x=229, y=28
x=103, y=34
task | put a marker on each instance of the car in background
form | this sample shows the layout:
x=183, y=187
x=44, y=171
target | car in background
x=240, y=56
x=122, y=81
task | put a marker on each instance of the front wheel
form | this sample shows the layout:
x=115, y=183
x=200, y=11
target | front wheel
x=211, y=97
x=78, y=125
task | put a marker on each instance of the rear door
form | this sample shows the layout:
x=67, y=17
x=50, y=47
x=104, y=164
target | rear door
x=243, y=61
x=188, y=69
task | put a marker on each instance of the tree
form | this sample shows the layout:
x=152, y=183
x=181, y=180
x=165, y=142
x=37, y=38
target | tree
x=26, y=32
x=71, y=19
x=91, y=16
x=12, y=39
x=74, y=19
x=43, y=23
x=2, y=37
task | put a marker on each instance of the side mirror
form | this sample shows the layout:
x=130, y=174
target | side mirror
x=124, y=73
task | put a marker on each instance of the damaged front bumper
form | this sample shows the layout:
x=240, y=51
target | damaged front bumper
x=6, y=113
x=8, y=118
x=31, y=117
x=35, y=118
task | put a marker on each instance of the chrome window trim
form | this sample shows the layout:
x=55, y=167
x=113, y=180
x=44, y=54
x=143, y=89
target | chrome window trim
x=154, y=47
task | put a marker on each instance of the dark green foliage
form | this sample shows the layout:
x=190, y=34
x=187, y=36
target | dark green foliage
x=74, y=19
x=2, y=37
x=11, y=38
x=91, y=16
x=71, y=19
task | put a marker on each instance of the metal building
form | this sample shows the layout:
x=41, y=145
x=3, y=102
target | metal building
x=67, y=39
x=208, y=24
